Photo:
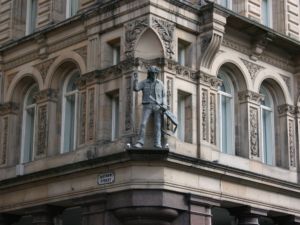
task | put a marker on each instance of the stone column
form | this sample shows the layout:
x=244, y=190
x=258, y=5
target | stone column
x=44, y=214
x=247, y=215
x=250, y=125
x=200, y=209
x=207, y=99
x=9, y=155
x=93, y=209
x=46, y=125
x=7, y=219
x=287, y=220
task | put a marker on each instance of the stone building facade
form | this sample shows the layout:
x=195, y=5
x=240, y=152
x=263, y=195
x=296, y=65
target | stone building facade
x=68, y=113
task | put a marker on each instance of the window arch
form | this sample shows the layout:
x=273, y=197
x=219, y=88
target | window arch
x=69, y=113
x=267, y=126
x=226, y=114
x=29, y=120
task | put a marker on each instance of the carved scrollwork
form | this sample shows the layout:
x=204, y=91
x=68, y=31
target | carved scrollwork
x=42, y=135
x=83, y=113
x=91, y=114
x=209, y=80
x=212, y=119
x=166, y=32
x=21, y=60
x=253, y=132
x=169, y=82
x=82, y=52
x=286, y=81
x=205, y=41
x=132, y=31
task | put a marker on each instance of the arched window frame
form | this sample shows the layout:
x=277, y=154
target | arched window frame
x=64, y=108
x=230, y=122
x=271, y=144
x=25, y=132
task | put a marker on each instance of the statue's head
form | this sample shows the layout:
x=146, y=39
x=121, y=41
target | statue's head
x=152, y=72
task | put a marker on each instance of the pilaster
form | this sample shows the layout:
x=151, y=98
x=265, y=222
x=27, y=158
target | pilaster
x=9, y=112
x=46, y=122
x=249, y=103
x=207, y=106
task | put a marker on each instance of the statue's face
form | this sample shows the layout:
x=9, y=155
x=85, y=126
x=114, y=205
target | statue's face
x=153, y=75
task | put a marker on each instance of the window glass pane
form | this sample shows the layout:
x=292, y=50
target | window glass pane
x=179, y=129
x=265, y=12
x=69, y=123
x=29, y=135
x=180, y=51
x=30, y=99
x=226, y=87
x=33, y=14
x=267, y=137
x=267, y=100
x=224, y=3
x=74, y=6
x=226, y=117
x=71, y=84
x=116, y=118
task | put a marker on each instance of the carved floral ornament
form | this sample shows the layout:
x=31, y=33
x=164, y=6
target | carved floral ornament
x=209, y=80
x=252, y=68
x=44, y=67
x=251, y=96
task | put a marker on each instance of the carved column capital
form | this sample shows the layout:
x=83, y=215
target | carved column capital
x=46, y=95
x=250, y=96
x=9, y=108
x=287, y=110
x=208, y=80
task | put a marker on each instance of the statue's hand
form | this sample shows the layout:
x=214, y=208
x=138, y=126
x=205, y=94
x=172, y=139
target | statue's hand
x=135, y=74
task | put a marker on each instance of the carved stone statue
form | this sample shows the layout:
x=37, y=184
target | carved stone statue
x=151, y=87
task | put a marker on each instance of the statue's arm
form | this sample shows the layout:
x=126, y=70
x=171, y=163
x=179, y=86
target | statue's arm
x=136, y=86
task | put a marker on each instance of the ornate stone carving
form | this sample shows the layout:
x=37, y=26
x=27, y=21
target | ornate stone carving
x=91, y=114
x=166, y=31
x=251, y=96
x=44, y=67
x=46, y=95
x=276, y=62
x=82, y=52
x=291, y=143
x=286, y=81
x=83, y=113
x=212, y=118
x=128, y=105
x=289, y=109
x=209, y=80
x=132, y=31
x=236, y=46
x=21, y=60
x=5, y=121
x=9, y=107
x=204, y=113
x=10, y=77
x=67, y=42
x=253, y=132
x=169, y=102
x=252, y=68
x=42, y=134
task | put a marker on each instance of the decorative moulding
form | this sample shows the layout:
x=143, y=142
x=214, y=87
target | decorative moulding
x=9, y=108
x=250, y=96
x=46, y=95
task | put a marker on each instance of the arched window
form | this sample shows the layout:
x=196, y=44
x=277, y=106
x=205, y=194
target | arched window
x=226, y=113
x=69, y=115
x=29, y=112
x=267, y=125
